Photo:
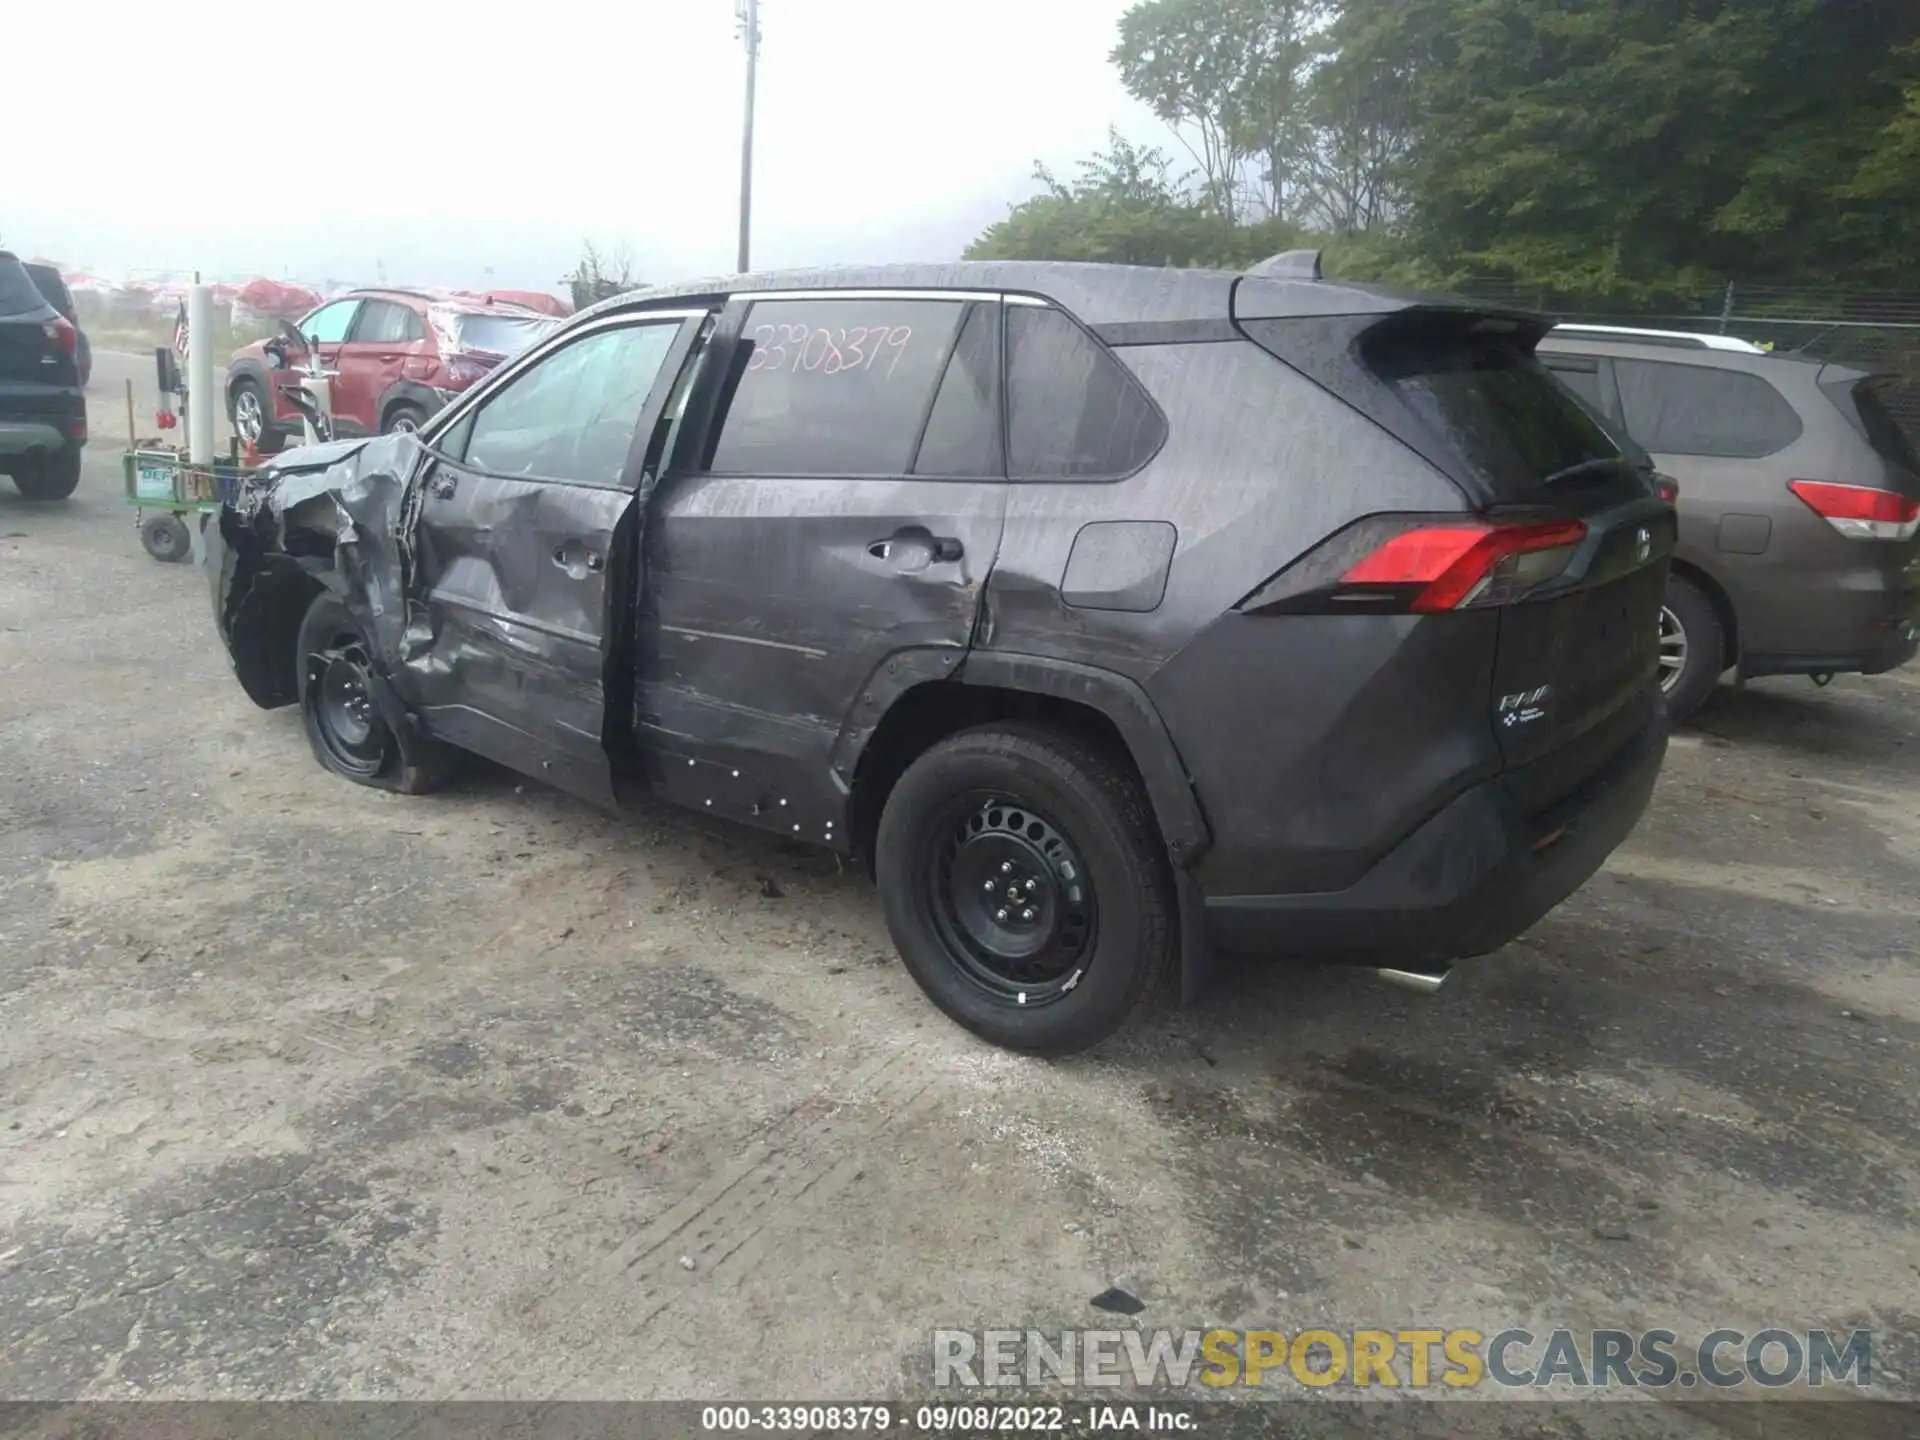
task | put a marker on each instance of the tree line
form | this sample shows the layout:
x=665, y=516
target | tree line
x=1629, y=149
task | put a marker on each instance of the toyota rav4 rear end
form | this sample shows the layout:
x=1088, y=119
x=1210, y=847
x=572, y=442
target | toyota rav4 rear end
x=1431, y=724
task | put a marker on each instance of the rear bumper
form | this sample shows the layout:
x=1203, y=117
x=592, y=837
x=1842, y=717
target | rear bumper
x=1888, y=644
x=1465, y=883
x=20, y=437
x=1864, y=622
x=41, y=417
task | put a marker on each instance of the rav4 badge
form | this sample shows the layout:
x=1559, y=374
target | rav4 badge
x=1525, y=707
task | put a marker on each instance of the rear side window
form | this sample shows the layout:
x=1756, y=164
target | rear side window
x=1074, y=412
x=1490, y=401
x=963, y=428
x=47, y=281
x=382, y=322
x=1698, y=410
x=17, y=293
x=836, y=386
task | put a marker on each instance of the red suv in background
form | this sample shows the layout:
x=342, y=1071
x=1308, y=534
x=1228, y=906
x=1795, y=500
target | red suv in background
x=400, y=354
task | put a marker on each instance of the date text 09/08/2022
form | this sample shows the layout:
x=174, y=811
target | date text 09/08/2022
x=948, y=1419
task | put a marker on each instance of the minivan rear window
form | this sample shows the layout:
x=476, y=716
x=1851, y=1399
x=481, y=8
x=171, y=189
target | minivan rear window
x=47, y=281
x=1490, y=401
x=1883, y=431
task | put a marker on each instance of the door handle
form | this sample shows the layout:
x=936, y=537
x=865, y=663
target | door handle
x=915, y=549
x=444, y=486
x=563, y=556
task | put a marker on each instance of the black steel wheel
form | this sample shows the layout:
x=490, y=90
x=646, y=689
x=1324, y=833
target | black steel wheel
x=1010, y=898
x=340, y=703
x=1027, y=886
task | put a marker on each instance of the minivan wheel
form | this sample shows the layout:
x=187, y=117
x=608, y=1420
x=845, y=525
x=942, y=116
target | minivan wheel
x=1026, y=886
x=340, y=707
x=1692, y=647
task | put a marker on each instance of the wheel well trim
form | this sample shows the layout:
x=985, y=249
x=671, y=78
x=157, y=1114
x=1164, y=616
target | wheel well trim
x=1121, y=701
x=1723, y=606
x=407, y=392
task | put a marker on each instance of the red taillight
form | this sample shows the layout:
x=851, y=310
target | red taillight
x=1860, y=512
x=1450, y=566
x=62, y=336
x=1668, y=487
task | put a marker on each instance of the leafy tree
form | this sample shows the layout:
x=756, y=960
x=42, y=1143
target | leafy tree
x=1191, y=61
x=1647, y=146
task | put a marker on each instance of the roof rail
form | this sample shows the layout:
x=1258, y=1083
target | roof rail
x=1289, y=265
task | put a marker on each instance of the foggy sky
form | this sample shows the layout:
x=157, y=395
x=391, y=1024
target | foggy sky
x=438, y=142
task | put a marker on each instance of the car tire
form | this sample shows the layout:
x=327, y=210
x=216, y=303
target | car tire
x=49, y=477
x=1692, y=647
x=346, y=724
x=166, y=539
x=247, y=408
x=1026, y=886
x=403, y=417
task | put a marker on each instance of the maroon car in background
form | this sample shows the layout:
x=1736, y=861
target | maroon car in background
x=400, y=355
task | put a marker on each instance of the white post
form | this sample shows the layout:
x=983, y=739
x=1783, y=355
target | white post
x=202, y=393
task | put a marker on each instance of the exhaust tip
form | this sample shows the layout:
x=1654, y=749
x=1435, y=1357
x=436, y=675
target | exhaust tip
x=1422, y=982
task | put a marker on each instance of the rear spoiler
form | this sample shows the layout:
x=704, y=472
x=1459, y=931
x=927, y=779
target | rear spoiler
x=1326, y=345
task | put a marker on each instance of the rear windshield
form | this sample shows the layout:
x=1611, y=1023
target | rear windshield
x=17, y=293
x=1490, y=401
x=1883, y=431
x=501, y=334
x=47, y=281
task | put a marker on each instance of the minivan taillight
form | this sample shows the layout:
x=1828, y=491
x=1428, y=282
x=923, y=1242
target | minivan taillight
x=62, y=336
x=1860, y=512
x=1450, y=567
x=1668, y=487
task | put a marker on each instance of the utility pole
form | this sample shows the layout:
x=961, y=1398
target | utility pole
x=747, y=12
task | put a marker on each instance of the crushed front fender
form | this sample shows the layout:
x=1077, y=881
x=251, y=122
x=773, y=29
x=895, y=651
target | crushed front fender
x=336, y=517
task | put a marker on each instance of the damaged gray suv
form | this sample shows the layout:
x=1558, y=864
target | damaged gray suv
x=1118, y=618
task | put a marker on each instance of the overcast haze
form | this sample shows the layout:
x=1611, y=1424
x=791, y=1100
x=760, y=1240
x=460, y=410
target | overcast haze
x=441, y=141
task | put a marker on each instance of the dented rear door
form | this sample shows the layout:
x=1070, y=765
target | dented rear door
x=847, y=509
x=525, y=545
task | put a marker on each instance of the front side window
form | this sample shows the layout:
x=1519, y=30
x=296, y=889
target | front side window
x=329, y=324
x=1698, y=410
x=835, y=387
x=571, y=417
x=1074, y=412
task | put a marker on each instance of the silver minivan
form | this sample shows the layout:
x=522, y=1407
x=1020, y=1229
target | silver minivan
x=1799, y=502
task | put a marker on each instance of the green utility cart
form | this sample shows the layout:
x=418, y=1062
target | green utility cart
x=164, y=488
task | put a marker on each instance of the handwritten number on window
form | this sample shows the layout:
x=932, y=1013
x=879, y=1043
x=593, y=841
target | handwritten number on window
x=805, y=349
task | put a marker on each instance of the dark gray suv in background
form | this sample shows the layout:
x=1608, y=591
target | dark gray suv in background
x=1115, y=616
x=1799, y=504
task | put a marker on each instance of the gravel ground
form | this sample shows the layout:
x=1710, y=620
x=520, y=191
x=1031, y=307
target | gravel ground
x=310, y=1090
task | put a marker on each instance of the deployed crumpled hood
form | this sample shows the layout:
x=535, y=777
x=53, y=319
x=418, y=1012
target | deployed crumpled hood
x=313, y=457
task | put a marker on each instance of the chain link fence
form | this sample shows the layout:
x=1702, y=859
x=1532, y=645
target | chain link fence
x=1877, y=331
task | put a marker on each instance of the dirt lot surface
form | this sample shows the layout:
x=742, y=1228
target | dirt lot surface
x=306, y=1089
